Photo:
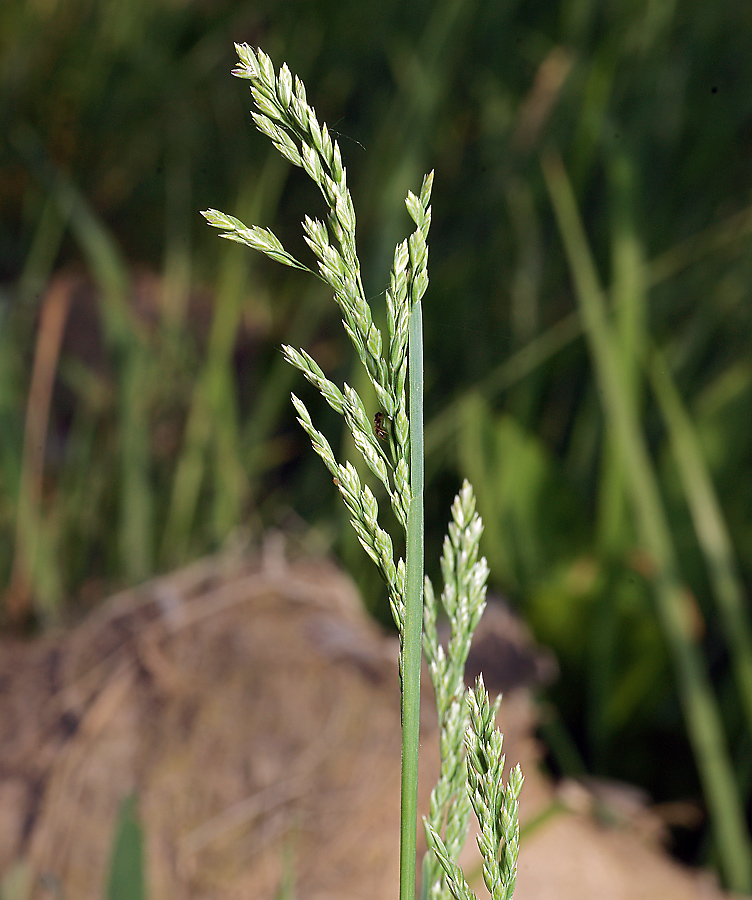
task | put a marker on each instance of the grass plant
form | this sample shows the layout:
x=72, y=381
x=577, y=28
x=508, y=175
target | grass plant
x=390, y=441
x=116, y=126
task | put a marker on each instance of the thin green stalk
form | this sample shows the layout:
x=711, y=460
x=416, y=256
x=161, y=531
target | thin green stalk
x=702, y=716
x=44, y=249
x=412, y=642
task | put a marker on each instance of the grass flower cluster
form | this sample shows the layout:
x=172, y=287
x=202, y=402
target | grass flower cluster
x=471, y=748
x=390, y=440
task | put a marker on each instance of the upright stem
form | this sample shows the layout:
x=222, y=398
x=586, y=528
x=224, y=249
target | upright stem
x=411, y=646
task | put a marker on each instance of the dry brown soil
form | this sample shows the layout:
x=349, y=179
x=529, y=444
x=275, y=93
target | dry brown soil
x=253, y=708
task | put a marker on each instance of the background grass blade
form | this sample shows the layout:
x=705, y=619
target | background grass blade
x=126, y=880
x=710, y=527
x=673, y=606
x=34, y=565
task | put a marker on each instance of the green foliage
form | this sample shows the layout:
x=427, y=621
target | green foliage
x=673, y=607
x=534, y=520
x=17, y=882
x=126, y=880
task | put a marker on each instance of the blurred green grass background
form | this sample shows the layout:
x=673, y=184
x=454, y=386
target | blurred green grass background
x=588, y=328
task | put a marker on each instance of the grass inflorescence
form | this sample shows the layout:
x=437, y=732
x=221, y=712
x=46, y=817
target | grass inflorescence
x=390, y=443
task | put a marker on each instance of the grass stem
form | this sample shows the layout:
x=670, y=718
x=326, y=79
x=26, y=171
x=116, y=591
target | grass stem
x=412, y=643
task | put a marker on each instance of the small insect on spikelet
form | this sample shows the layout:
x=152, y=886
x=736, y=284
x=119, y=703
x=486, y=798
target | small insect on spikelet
x=379, y=426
